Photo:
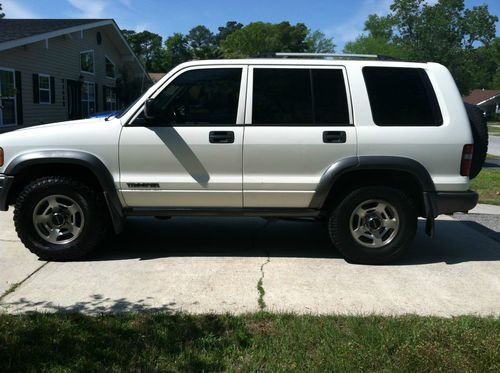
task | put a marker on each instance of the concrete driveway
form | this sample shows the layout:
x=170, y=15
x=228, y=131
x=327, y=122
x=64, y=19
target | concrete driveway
x=216, y=265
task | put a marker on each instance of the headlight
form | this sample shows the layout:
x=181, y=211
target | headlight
x=1, y=157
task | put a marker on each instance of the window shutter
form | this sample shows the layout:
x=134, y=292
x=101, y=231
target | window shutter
x=96, y=99
x=104, y=89
x=19, y=98
x=52, y=90
x=36, y=89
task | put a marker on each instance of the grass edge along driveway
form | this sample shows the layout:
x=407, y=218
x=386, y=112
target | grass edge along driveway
x=253, y=342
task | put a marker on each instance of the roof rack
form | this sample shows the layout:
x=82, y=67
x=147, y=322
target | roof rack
x=336, y=56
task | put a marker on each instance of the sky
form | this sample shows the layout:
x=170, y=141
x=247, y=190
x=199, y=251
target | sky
x=341, y=19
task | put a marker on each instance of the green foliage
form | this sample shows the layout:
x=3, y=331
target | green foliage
x=248, y=343
x=259, y=39
x=233, y=40
x=148, y=48
x=317, y=42
x=2, y=14
x=447, y=33
x=177, y=50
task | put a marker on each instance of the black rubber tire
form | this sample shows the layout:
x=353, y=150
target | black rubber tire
x=94, y=230
x=352, y=251
x=479, y=126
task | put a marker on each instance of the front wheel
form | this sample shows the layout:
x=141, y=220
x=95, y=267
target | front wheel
x=373, y=225
x=58, y=218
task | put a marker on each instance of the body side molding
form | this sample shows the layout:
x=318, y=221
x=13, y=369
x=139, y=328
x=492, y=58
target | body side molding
x=87, y=160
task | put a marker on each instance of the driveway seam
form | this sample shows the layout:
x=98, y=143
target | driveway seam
x=12, y=288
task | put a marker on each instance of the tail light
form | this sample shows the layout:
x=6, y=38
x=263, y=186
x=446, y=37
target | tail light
x=466, y=163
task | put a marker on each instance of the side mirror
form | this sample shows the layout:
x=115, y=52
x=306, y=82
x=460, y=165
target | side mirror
x=149, y=109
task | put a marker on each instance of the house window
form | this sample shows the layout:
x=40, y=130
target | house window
x=110, y=68
x=88, y=99
x=44, y=89
x=110, y=102
x=87, y=62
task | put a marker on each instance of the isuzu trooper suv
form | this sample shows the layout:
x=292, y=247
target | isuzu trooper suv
x=365, y=144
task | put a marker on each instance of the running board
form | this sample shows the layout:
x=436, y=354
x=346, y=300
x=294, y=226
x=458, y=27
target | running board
x=278, y=212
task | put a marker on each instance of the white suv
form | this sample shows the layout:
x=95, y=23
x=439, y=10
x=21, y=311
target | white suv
x=367, y=145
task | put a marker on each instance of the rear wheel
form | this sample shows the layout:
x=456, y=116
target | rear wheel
x=58, y=218
x=373, y=225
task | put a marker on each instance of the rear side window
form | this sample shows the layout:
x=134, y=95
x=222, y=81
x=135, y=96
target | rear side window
x=401, y=97
x=299, y=97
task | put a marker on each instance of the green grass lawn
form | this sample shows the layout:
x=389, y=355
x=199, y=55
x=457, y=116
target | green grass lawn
x=493, y=130
x=256, y=342
x=487, y=184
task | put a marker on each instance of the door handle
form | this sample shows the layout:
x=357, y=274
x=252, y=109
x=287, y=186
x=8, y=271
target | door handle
x=334, y=137
x=221, y=137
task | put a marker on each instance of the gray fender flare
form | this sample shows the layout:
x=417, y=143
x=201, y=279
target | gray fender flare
x=350, y=164
x=87, y=160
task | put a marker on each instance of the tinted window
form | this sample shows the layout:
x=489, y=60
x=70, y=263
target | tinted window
x=330, y=100
x=282, y=96
x=401, y=97
x=199, y=97
x=299, y=96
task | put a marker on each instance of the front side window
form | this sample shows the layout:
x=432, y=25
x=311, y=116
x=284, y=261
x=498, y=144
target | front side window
x=401, y=97
x=88, y=99
x=110, y=68
x=44, y=89
x=199, y=97
x=299, y=97
x=87, y=62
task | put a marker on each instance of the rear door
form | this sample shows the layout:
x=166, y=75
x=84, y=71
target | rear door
x=298, y=122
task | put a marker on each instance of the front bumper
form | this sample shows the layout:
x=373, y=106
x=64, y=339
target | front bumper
x=5, y=184
x=438, y=203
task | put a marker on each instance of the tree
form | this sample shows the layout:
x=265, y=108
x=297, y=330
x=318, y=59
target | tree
x=177, y=51
x=317, y=42
x=378, y=38
x=148, y=48
x=260, y=39
x=2, y=14
x=444, y=32
x=202, y=43
x=228, y=29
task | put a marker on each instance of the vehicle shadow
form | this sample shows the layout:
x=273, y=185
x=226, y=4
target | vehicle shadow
x=149, y=238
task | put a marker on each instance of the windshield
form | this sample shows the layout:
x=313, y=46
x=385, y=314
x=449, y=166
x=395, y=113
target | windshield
x=128, y=107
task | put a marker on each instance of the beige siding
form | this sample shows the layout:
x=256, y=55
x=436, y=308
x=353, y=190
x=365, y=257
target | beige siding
x=62, y=61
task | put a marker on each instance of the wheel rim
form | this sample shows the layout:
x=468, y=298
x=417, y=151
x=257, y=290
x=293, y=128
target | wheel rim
x=374, y=223
x=58, y=219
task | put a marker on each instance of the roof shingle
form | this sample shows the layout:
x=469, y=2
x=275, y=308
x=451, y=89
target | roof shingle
x=480, y=95
x=13, y=29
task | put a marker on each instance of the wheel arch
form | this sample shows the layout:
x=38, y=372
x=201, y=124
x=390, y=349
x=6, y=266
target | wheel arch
x=51, y=161
x=370, y=170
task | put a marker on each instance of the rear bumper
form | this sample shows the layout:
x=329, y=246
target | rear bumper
x=5, y=184
x=438, y=203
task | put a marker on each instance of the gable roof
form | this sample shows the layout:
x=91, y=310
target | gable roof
x=13, y=29
x=478, y=96
x=18, y=32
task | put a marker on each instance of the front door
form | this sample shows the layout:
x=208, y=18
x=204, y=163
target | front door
x=74, y=99
x=8, y=115
x=298, y=122
x=188, y=153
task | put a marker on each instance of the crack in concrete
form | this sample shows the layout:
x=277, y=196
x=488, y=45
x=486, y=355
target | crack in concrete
x=260, y=286
x=16, y=285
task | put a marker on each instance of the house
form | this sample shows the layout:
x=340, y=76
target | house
x=487, y=99
x=155, y=77
x=53, y=70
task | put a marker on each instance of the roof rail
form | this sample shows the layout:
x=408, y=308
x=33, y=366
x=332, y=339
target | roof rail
x=335, y=56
